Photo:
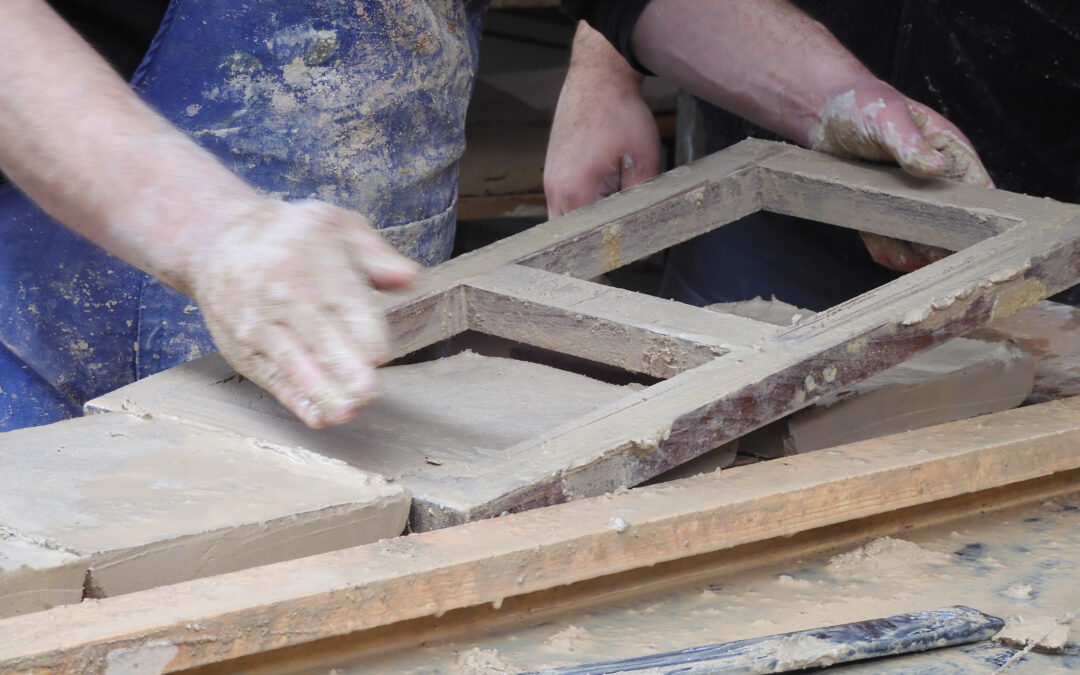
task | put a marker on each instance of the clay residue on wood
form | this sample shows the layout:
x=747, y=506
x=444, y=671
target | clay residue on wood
x=967, y=562
x=1039, y=632
x=482, y=662
x=885, y=558
x=570, y=639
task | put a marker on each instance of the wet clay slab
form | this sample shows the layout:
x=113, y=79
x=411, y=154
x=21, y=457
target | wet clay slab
x=960, y=379
x=34, y=577
x=434, y=427
x=1050, y=331
x=140, y=502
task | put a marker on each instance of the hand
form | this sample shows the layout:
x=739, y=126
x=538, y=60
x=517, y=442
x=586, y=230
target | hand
x=874, y=121
x=604, y=137
x=286, y=290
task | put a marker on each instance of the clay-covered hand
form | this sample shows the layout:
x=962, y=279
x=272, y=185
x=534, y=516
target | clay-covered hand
x=871, y=120
x=286, y=290
x=604, y=137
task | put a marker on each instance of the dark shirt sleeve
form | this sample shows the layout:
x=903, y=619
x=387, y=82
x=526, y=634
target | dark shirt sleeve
x=615, y=19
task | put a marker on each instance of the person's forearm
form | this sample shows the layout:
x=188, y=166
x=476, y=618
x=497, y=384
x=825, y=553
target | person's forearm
x=593, y=57
x=762, y=59
x=80, y=143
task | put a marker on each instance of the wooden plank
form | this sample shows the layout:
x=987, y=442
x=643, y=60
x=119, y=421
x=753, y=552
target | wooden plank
x=520, y=205
x=636, y=332
x=429, y=316
x=590, y=241
x=622, y=228
x=888, y=201
x=298, y=602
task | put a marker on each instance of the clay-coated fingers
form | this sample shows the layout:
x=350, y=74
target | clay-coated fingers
x=367, y=251
x=929, y=253
x=964, y=164
x=902, y=136
x=289, y=371
x=342, y=331
x=381, y=262
x=894, y=253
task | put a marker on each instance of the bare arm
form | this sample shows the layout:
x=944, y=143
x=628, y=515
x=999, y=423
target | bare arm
x=604, y=137
x=767, y=61
x=274, y=280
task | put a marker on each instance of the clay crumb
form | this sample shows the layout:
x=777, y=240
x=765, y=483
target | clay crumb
x=1040, y=633
x=804, y=651
x=570, y=639
x=132, y=408
x=620, y=524
x=1019, y=591
x=885, y=557
x=478, y=661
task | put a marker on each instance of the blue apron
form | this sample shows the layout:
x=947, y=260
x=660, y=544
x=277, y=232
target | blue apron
x=361, y=104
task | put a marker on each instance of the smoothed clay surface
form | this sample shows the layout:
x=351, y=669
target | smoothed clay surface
x=151, y=502
x=433, y=426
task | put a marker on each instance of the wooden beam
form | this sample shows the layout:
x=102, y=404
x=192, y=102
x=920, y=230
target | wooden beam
x=636, y=332
x=890, y=202
x=519, y=205
x=428, y=317
x=221, y=618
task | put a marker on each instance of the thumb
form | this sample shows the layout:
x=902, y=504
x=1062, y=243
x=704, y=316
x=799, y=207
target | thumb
x=904, y=138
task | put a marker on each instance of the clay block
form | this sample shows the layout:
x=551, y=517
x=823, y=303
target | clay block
x=150, y=502
x=34, y=577
x=1049, y=331
x=960, y=379
x=1041, y=633
x=434, y=426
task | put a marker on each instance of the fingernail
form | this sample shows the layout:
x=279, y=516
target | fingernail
x=310, y=413
x=341, y=415
x=395, y=265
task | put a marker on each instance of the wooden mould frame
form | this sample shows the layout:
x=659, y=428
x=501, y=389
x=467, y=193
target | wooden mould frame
x=729, y=377
x=726, y=375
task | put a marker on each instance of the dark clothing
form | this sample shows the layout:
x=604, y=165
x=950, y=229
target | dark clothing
x=121, y=30
x=615, y=19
